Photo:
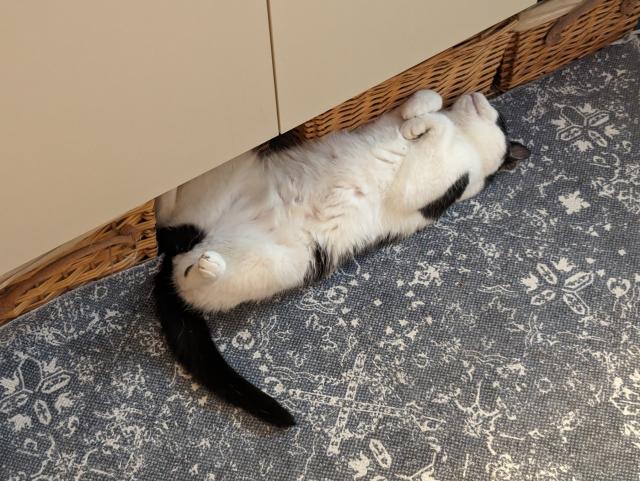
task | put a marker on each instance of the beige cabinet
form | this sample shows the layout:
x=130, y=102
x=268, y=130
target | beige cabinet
x=106, y=104
x=325, y=52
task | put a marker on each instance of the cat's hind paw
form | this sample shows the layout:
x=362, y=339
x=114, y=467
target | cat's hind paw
x=211, y=265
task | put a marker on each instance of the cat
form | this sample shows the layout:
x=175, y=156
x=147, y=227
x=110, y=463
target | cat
x=272, y=219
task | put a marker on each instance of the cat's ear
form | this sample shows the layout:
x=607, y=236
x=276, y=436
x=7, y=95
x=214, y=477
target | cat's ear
x=517, y=152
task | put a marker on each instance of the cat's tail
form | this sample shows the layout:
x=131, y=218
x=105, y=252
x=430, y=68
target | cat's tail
x=188, y=337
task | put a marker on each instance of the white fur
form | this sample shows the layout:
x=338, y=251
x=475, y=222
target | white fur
x=264, y=216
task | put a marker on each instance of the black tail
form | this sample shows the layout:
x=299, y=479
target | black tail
x=189, y=338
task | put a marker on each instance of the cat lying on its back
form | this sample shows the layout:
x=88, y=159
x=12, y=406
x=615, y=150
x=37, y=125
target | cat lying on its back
x=267, y=222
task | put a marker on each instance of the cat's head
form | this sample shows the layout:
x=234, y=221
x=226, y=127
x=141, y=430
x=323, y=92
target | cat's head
x=485, y=128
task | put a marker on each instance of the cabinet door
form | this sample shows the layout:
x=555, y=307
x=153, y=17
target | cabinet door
x=325, y=52
x=106, y=104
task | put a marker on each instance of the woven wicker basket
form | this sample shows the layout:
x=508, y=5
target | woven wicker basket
x=111, y=248
x=536, y=50
x=470, y=66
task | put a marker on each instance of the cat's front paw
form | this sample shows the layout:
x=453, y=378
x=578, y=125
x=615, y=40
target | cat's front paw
x=413, y=128
x=211, y=265
x=422, y=102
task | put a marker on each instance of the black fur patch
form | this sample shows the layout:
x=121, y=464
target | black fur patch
x=320, y=266
x=379, y=243
x=384, y=241
x=179, y=239
x=436, y=208
x=502, y=124
x=282, y=142
x=489, y=178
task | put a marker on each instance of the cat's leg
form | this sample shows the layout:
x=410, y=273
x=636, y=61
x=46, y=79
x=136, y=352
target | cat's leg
x=240, y=270
x=421, y=103
x=426, y=167
x=389, y=156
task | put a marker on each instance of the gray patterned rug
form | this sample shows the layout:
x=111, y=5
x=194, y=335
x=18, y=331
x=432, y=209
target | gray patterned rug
x=502, y=343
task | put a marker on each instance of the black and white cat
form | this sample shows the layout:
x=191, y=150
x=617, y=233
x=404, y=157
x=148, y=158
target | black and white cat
x=270, y=221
